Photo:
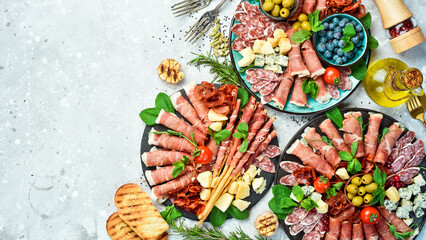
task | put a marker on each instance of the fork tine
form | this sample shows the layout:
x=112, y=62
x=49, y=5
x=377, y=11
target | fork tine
x=417, y=100
x=190, y=11
x=197, y=29
x=189, y=7
x=201, y=34
x=193, y=26
x=410, y=104
x=181, y=2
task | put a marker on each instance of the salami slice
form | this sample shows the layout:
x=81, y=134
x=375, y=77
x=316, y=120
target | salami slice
x=289, y=180
x=406, y=175
x=267, y=98
x=242, y=17
x=269, y=88
x=289, y=166
x=272, y=151
x=404, y=140
x=416, y=159
x=405, y=156
x=264, y=74
x=312, y=217
x=239, y=44
x=252, y=76
x=296, y=228
x=346, y=83
x=313, y=235
x=321, y=226
x=240, y=29
x=311, y=227
x=256, y=33
x=264, y=163
x=344, y=71
x=296, y=216
x=333, y=90
x=259, y=85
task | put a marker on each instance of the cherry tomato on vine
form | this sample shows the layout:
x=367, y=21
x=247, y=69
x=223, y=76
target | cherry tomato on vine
x=370, y=215
x=332, y=76
x=321, y=184
x=205, y=155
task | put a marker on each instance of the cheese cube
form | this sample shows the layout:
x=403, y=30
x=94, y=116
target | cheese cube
x=279, y=33
x=246, y=61
x=215, y=117
x=315, y=196
x=281, y=60
x=405, y=193
x=224, y=202
x=216, y=126
x=342, y=173
x=307, y=190
x=322, y=206
x=246, y=52
x=233, y=188
x=420, y=200
x=284, y=45
x=215, y=181
x=407, y=204
x=205, y=179
x=402, y=212
x=259, y=60
x=418, y=211
x=251, y=172
x=267, y=48
x=408, y=221
x=418, y=180
x=243, y=190
x=414, y=188
x=270, y=59
x=205, y=194
x=241, y=204
x=258, y=44
x=273, y=42
x=390, y=205
x=274, y=68
x=392, y=194
x=259, y=185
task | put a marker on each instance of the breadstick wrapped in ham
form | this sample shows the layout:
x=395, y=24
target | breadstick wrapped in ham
x=331, y=132
x=170, y=142
x=164, y=174
x=160, y=192
x=353, y=132
x=187, y=111
x=328, y=152
x=163, y=157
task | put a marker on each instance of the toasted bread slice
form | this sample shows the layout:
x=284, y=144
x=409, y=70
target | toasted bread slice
x=164, y=236
x=117, y=229
x=137, y=210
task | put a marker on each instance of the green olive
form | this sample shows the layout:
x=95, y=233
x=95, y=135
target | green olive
x=306, y=26
x=368, y=197
x=352, y=188
x=367, y=179
x=357, y=201
x=284, y=12
x=268, y=6
x=276, y=1
x=361, y=190
x=370, y=188
x=288, y=3
x=350, y=196
x=276, y=11
x=302, y=17
x=296, y=25
x=356, y=181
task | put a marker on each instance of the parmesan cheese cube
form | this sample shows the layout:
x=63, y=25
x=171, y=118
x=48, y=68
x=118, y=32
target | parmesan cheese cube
x=241, y=204
x=342, y=173
x=205, y=194
x=246, y=52
x=258, y=44
x=279, y=33
x=224, y=202
x=419, y=181
x=215, y=181
x=267, y=48
x=392, y=194
x=251, y=172
x=246, y=61
x=216, y=126
x=322, y=206
x=216, y=117
x=259, y=185
x=284, y=45
x=205, y=179
x=243, y=190
x=273, y=42
x=233, y=188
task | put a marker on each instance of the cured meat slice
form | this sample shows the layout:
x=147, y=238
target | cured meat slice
x=334, y=229
x=170, y=142
x=344, y=70
x=296, y=228
x=346, y=83
x=405, y=156
x=296, y=216
x=353, y=132
x=406, y=175
x=164, y=174
x=264, y=163
x=331, y=132
x=281, y=93
x=323, y=96
x=308, y=6
x=357, y=233
x=269, y=88
x=321, y=226
x=346, y=213
x=289, y=180
x=263, y=74
x=370, y=139
x=383, y=229
x=239, y=44
x=416, y=159
x=312, y=218
x=391, y=217
x=252, y=76
x=333, y=90
x=163, y=157
x=370, y=232
x=328, y=152
x=312, y=235
x=312, y=61
x=187, y=111
x=272, y=151
x=388, y=142
x=266, y=98
x=309, y=158
x=298, y=97
x=200, y=106
x=290, y=166
x=309, y=228
x=162, y=190
x=256, y=33
x=346, y=231
x=240, y=29
x=213, y=147
x=296, y=65
x=404, y=140
x=322, y=6
x=299, y=10
x=242, y=17
x=304, y=175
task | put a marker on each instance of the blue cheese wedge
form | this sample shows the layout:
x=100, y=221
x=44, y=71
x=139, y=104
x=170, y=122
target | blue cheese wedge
x=281, y=60
x=402, y=212
x=405, y=193
x=407, y=204
x=414, y=188
x=270, y=59
x=419, y=181
x=259, y=60
x=420, y=200
x=408, y=221
x=307, y=190
x=315, y=196
x=418, y=211
x=390, y=205
x=274, y=68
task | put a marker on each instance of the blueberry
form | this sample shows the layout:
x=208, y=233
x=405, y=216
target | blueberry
x=340, y=52
x=335, y=57
x=345, y=59
x=337, y=35
x=353, y=23
x=350, y=23
x=321, y=47
x=329, y=46
x=330, y=35
x=338, y=29
x=331, y=26
x=327, y=54
x=325, y=24
x=360, y=35
x=335, y=50
x=323, y=39
x=341, y=43
x=339, y=60
x=321, y=33
x=359, y=44
x=355, y=50
x=358, y=28
x=355, y=40
x=345, y=20
x=335, y=42
x=336, y=20
x=342, y=24
x=349, y=54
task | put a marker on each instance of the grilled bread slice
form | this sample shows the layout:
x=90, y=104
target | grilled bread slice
x=117, y=229
x=137, y=210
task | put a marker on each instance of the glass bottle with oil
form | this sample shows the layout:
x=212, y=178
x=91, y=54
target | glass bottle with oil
x=390, y=82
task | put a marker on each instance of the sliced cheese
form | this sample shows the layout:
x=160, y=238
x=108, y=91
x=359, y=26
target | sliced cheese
x=216, y=126
x=279, y=33
x=342, y=173
x=233, y=188
x=224, y=202
x=246, y=61
x=215, y=117
x=246, y=52
x=241, y=204
x=284, y=45
x=215, y=182
x=205, y=179
x=392, y=194
x=322, y=206
x=267, y=48
x=243, y=190
x=205, y=194
x=252, y=171
x=274, y=42
x=260, y=185
x=258, y=44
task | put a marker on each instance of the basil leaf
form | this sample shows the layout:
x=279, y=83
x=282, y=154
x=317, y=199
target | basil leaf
x=359, y=70
x=366, y=20
x=378, y=177
x=308, y=204
x=350, y=167
x=345, y=156
x=222, y=135
x=349, y=46
x=354, y=148
x=244, y=145
x=313, y=86
x=287, y=202
x=356, y=166
x=177, y=168
x=236, y=213
x=384, y=131
x=185, y=160
x=237, y=135
x=305, y=86
x=349, y=31
x=297, y=192
x=274, y=205
x=338, y=185
x=162, y=101
x=149, y=116
x=217, y=217
x=244, y=95
x=372, y=42
x=281, y=191
x=243, y=128
x=301, y=36
x=170, y=214
x=335, y=115
x=331, y=192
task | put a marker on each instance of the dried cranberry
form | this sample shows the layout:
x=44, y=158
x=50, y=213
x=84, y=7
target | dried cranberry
x=396, y=178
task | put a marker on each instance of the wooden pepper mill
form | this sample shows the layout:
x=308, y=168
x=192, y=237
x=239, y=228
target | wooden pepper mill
x=398, y=21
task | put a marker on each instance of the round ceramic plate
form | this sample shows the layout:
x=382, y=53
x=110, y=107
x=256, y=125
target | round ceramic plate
x=314, y=123
x=253, y=198
x=289, y=108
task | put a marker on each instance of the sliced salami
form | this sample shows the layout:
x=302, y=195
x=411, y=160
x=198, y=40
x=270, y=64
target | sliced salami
x=264, y=74
x=256, y=33
x=406, y=175
x=289, y=180
x=404, y=157
x=312, y=217
x=404, y=140
x=264, y=163
x=267, y=98
x=313, y=235
x=272, y=151
x=296, y=216
x=418, y=144
x=321, y=226
x=269, y=88
x=344, y=71
x=282, y=25
x=242, y=17
x=259, y=85
x=346, y=83
x=252, y=76
x=311, y=227
x=289, y=166
x=239, y=44
x=416, y=159
x=333, y=90
x=296, y=228
x=240, y=29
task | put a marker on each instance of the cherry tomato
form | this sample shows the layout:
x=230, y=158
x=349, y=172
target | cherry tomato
x=205, y=155
x=332, y=76
x=321, y=184
x=370, y=215
x=396, y=178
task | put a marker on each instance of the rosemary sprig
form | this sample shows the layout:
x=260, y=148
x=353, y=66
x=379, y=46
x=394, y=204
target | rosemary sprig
x=207, y=233
x=223, y=72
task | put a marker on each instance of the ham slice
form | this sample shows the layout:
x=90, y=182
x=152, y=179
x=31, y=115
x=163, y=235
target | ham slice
x=311, y=59
x=385, y=146
x=370, y=232
x=179, y=125
x=353, y=132
x=370, y=139
x=296, y=65
x=298, y=97
x=392, y=219
x=328, y=152
x=308, y=6
x=213, y=147
x=331, y=132
x=161, y=191
x=200, y=107
x=323, y=96
x=281, y=93
x=170, y=142
x=163, y=157
x=309, y=158
x=383, y=230
x=334, y=229
x=357, y=233
x=164, y=174
x=322, y=6
x=188, y=112
x=346, y=230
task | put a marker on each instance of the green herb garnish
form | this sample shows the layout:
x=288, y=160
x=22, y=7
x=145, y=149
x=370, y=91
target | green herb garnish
x=379, y=177
x=162, y=101
x=298, y=192
x=242, y=132
x=354, y=165
x=308, y=204
x=171, y=213
x=332, y=191
x=311, y=87
x=335, y=115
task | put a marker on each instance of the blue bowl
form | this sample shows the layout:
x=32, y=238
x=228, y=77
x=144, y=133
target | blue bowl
x=356, y=56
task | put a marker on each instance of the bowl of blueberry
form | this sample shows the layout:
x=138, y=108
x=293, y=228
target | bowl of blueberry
x=343, y=42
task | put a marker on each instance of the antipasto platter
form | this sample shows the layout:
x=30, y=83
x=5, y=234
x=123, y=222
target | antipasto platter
x=353, y=199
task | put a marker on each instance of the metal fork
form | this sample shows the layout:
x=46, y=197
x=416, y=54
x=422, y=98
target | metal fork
x=189, y=6
x=416, y=109
x=203, y=24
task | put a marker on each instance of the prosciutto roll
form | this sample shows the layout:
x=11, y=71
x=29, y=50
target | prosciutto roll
x=296, y=64
x=391, y=217
x=353, y=132
x=357, y=233
x=312, y=61
x=281, y=93
x=346, y=231
x=323, y=94
x=161, y=191
x=370, y=139
x=213, y=147
x=308, y=6
x=334, y=232
x=163, y=157
x=309, y=158
x=298, y=97
x=199, y=106
x=385, y=146
x=383, y=230
x=370, y=232
x=170, y=142
x=187, y=111
x=322, y=6
x=331, y=132
x=164, y=174
x=346, y=213
x=179, y=125
x=328, y=152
